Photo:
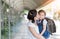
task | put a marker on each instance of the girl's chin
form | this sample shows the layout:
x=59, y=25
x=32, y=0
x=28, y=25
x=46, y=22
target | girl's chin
x=41, y=18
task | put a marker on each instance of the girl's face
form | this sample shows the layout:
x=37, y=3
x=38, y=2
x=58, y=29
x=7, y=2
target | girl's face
x=41, y=15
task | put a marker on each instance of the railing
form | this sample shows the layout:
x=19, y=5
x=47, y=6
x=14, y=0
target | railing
x=10, y=17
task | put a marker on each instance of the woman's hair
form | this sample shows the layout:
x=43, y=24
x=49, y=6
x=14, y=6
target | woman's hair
x=41, y=11
x=31, y=15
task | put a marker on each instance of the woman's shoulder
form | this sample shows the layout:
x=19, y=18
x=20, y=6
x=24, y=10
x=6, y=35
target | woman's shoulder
x=30, y=24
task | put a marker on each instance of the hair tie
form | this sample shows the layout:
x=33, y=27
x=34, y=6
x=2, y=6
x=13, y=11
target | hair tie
x=30, y=14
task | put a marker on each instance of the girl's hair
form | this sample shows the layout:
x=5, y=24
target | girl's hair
x=32, y=14
x=41, y=11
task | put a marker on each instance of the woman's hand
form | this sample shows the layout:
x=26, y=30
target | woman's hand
x=40, y=37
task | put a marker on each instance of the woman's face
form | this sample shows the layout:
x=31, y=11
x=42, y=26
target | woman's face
x=37, y=17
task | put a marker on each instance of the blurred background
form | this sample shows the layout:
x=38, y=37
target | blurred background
x=13, y=16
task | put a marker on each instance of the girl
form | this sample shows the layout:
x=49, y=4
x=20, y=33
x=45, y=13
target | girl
x=42, y=24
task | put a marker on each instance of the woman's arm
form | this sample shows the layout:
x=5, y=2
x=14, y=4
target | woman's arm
x=38, y=36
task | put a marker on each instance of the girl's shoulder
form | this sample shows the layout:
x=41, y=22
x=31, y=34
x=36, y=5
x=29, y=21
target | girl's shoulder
x=44, y=21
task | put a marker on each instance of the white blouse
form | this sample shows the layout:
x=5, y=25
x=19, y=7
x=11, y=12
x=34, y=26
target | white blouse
x=30, y=24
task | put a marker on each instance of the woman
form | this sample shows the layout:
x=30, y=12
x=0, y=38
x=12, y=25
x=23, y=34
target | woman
x=32, y=25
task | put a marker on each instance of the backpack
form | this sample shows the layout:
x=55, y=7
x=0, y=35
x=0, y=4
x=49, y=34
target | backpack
x=51, y=25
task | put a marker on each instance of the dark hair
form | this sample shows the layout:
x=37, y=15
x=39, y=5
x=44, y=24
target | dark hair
x=32, y=14
x=41, y=11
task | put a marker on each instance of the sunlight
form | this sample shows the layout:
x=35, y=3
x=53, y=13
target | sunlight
x=51, y=9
